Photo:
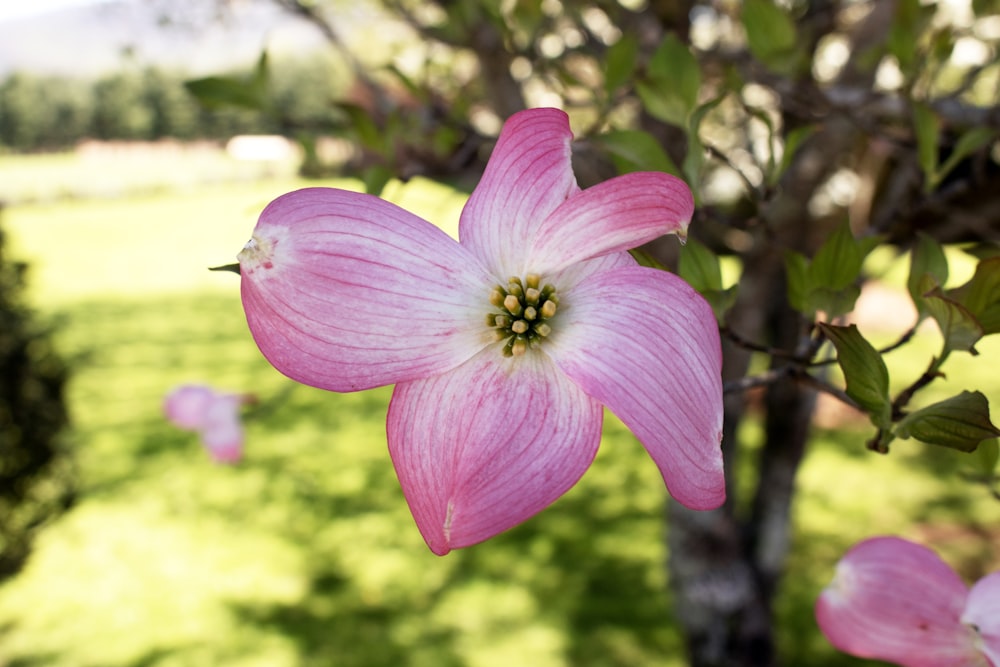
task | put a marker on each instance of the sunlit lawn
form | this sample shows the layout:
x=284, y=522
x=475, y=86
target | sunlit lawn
x=305, y=554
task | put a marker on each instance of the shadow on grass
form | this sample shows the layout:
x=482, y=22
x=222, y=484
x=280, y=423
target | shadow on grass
x=334, y=626
x=583, y=583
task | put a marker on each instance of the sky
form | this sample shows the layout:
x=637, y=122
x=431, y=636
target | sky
x=15, y=8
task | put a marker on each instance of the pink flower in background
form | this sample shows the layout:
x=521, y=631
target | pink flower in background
x=505, y=346
x=214, y=415
x=897, y=601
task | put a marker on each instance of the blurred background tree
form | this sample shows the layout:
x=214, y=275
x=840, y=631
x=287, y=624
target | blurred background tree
x=36, y=473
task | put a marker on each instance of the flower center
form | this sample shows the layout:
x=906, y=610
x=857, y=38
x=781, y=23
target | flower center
x=521, y=314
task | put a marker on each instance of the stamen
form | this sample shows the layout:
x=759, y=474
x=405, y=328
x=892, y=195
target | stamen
x=512, y=304
x=524, y=310
x=496, y=297
x=519, y=347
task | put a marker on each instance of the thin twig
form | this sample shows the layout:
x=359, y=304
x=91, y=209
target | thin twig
x=796, y=373
x=757, y=347
x=931, y=374
x=827, y=388
x=903, y=340
x=751, y=381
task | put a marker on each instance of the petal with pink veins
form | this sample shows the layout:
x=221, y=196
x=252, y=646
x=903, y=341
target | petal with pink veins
x=345, y=291
x=897, y=601
x=982, y=611
x=485, y=446
x=646, y=345
x=616, y=215
x=529, y=174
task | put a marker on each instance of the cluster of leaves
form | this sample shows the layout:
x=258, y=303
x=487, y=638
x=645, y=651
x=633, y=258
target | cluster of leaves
x=827, y=288
x=393, y=140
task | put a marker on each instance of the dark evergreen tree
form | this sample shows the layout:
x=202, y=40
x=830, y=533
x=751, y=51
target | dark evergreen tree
x=36, y=474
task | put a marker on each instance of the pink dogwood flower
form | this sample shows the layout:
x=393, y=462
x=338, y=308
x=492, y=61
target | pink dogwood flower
x=503, y=346
x=897, y=601
x=214, y=415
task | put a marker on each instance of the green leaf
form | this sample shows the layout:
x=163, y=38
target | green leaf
x=647, y=260
x=960, y=328
x=904, y=33
x=865, y=372
x=960, y=422
x=968, y=143
x=837, y=263
x=216, y=92
x=694, y=159
x=720, y=301
x=985, y=7
x=670, y=90
x=987, y=455
x=797, y=274
x=619, y=63
x=927, y=127
x=636, y=150
x=793, y=141
x=699, y=266
x=771, y=34
x=375, y=178
x=983, y=250
x=364, y=128
x=833, y=302
x=833, y=273
x=927, y=258
x=981, y=295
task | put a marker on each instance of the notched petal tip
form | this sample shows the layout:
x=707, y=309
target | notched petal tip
x=614, y=216
x=345, y=291
x=657, y=368
x=488, y=466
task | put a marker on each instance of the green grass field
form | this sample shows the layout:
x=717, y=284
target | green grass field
x=305, y=553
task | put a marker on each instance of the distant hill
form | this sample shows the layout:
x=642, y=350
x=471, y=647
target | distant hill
x=89, y=40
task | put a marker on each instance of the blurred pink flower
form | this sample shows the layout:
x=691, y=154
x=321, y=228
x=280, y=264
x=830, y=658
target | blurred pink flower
x=505, y=346
x=897, y=601
x=214, y=415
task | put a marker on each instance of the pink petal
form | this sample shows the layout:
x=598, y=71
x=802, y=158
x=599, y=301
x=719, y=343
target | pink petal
x=616, y=215
x=646, y=345
x=982, y=610
x=345, y=291
x=222, y=432
x=528, y=175
x=186, y=406
x=489, y=444
x=897, y=601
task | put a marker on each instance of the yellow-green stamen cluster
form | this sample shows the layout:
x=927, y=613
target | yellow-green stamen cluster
x=524, y=310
